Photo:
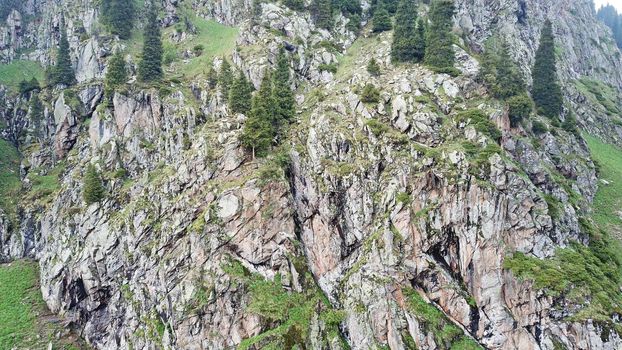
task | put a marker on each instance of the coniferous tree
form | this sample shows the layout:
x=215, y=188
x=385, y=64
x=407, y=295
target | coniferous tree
x=420, y=41
x=259, y=128
x=118, y=17
x=546, y=91
x=404, y=44
x=116, y=75
x=296, y=5
x=509, y=81
x=439, y=51
x=62, y=73
x=212, y=76
x=225, y=78
x=240, y=95
x=373, y=67
x=93, y=189
x=36, y=110
x=282, y=95
x=381, y=20
x=322, y=12
x=150, y=67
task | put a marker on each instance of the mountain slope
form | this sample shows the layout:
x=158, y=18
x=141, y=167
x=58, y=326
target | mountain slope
x=421, y=220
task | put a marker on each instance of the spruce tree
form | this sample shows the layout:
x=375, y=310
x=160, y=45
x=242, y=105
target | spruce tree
x=404, y=45
x=509, y=81
x=322, y=12
x=150, y=67
x=93, y=189
x=373, y=67
x=439, y=51
x=225, y=78
x=116, y=75
x=36, y=110
x=240, y=94
x=212, y=76
x=546, y=91
x=261, y=126
x=63, y=70
x=420, y=41
x=381, y=20
x=118, y=17
x=282, y=95
x=296, y=5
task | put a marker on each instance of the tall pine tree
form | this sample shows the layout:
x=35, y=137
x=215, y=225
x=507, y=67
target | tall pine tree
x=420, y=41
x=240, y=94
x=116, y=74
x=439, y=51
x=322, y=12
x=546, y=91
x=150, y=67
x=93, y=189
x=404, y=47
x=259, y=128
x=282, y=95
x=62, y=73
x=225, y=78
x=381, y=20
x=118, y=17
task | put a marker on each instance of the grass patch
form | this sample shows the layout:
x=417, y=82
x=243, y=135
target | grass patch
x=433, y=321
x=21, y=307
x=289, y=313
x=599, y=93
x=9, y=177
x=13, y=73
x=607, y=203
x=215, y=38
x=45, y=185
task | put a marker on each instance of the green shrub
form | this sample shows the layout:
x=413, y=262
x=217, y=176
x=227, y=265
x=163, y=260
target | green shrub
x=480, y=122
x=328, y=68
x=370, y=94
x=373, y=67
x=93, y=188
x=538, y=127
x=519, y=108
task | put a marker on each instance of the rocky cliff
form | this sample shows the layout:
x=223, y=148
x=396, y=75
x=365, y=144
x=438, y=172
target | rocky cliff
x=400, y=224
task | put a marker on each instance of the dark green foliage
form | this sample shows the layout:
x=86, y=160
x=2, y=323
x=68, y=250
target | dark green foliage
x=322, y=13
x=26, y=86
x=62, y=73
x=439, y=53
x=613, y=20
x=500, y=73
x=546, y=91
x=116, y=75
x=404, y=47
x=296, y=5
x=348, y=7
x=373, y=67
x=519, y=108
x=260, y=126
x=240, y=94
x=389, y=5
x=150, y=67
x=118, y=17
x=370, y=94
x=198, y=49
x=225, y=78
x=36, y=109
x=93, y=189
x=570, y=125
x=282, y=94
x=420, y=40
x=354, y=25
x=481, y=122
x=212, y=77
x=381, y=20
x=538, y=127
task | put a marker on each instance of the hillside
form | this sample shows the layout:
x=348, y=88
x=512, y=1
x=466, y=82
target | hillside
x=233, y=174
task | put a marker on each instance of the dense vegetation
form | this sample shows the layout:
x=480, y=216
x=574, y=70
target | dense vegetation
x=116, y=75
x=408, y=37
x=546, y=91
x=439, y=52
x=150, y=66
x=118, y=17
x=93, y=189
x=62, y=72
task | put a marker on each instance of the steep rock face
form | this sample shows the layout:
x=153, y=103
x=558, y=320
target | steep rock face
x=383, y=203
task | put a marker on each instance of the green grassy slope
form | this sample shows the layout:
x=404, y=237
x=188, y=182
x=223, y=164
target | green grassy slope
x=608, y=200
x=18, y=70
